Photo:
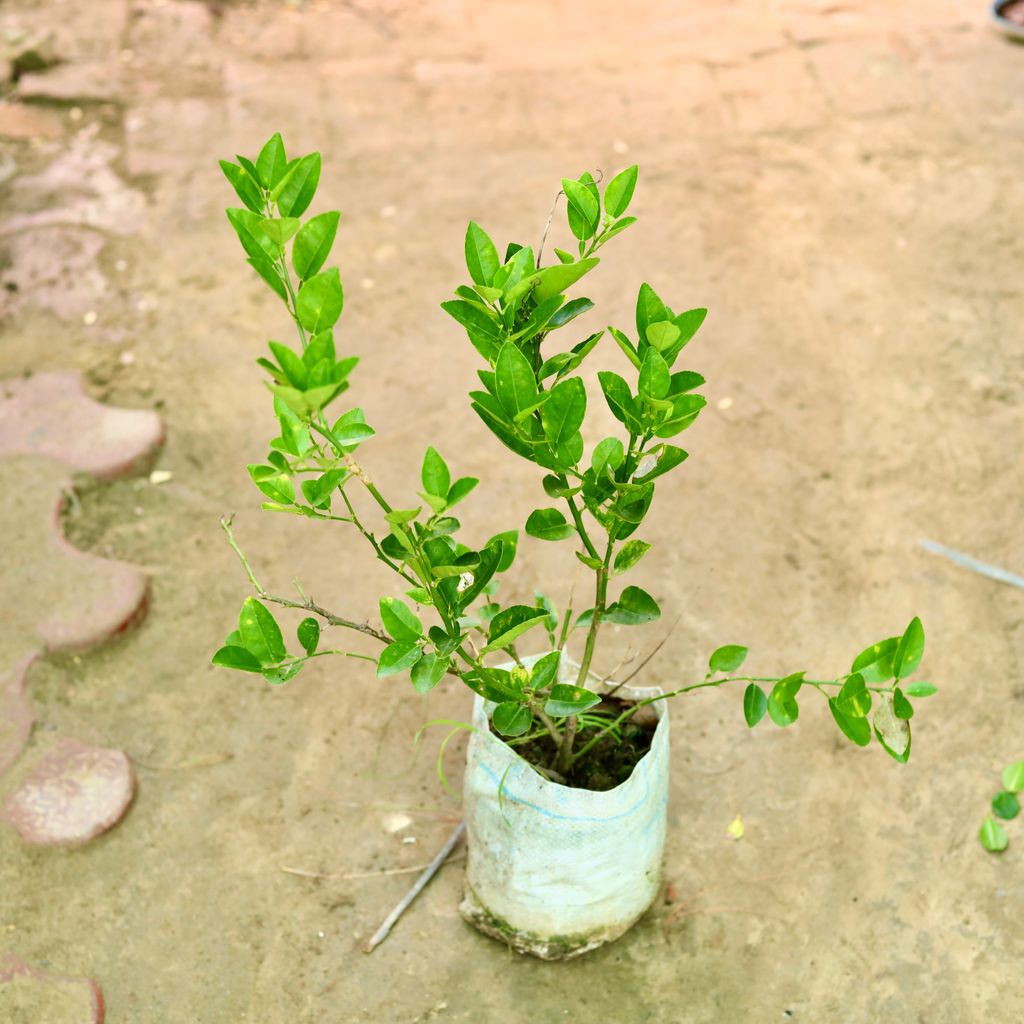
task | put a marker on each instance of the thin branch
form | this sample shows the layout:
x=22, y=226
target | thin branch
x=643, y=664
x=547, y=227
x=306, y=605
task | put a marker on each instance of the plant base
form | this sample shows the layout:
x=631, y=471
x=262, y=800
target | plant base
x=558, y=947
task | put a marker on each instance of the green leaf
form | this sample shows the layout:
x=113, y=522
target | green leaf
x=569, y=311
x=545, y=670
x=786, y=689
x=993, y=836
x=727, y=658
x=629, y=554
x=398, y=657
x=662, y=334
x=853, y=698
x=313, y=243
x=280, y=229
x=619, y=399
x=318, y=491
x=893, y=733
x=901, y=707
x=649, y=309
x=239, y=658
x=582, y=202
x=399, y=619
x=272, y=162
x=910, y=649
x=755, y=704
x=481, y=255
x=511, y=623
x=401, y=516
x=626, y=345
x=654, y=375
x=320, y=301
x=490, y=556
x=268, y=271
x=874, y=663
x=666, y=458
x=856, y=729
x=295, y=194
x=1013, y=777
x=608, y=454
x=511, y=718
x=685, y=410
x=921, y=689
x=1006, y=806
x=688, y=324
x=562, y=415
x=460, y=489
x=351, y=429
x=589, y=561
x=566, y=699
x=260, y=632
x=619, y=192
x=246, y=189
x=309, y=635
x=783, y=714
x=295, y=370
x=616, y=229
x=250, y=168
x=549, y=524
x=281, y=674
x=634, y=607
x=249, y=228
x=556, y=279
x=429, y=671
x=514, y=381
x=435, y=475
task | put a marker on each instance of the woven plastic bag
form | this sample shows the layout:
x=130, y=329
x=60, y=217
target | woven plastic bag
x=556, y=871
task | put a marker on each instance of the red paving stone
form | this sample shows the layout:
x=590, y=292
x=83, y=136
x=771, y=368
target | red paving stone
x=16, y=717
x=50, y=415
x=74, y=793
x=109, y=597
x=41, y=997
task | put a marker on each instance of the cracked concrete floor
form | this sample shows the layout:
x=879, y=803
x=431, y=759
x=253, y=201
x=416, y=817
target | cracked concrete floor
x=840, y=184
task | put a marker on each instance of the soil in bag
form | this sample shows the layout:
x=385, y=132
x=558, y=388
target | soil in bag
x=610, y=761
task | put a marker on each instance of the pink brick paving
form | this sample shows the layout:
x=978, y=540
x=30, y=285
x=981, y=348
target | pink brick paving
x=109, y=599
x=16, y=716
x=49, y=414
x=30, y=994
x=75, y=793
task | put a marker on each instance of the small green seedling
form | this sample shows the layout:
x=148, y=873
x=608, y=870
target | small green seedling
x=1005, y=805
x=446, y=619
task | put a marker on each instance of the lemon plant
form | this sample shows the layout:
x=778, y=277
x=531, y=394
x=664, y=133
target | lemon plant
x=445, y=617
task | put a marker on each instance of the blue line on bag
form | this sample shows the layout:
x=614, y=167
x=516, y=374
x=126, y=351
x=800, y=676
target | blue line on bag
x=571, y=817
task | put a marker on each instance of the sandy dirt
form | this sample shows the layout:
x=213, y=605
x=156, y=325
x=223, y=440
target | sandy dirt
x=840, y=184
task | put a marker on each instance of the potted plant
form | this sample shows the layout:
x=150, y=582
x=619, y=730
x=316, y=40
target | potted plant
x=567, y=777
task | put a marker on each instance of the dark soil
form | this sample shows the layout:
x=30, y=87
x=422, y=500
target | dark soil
x=610, y=762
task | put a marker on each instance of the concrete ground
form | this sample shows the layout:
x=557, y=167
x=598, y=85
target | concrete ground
x=840, y=184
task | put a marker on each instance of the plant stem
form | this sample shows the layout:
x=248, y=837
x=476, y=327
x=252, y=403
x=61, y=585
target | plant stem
x=629, y=712
x=565, y=755
x=580, y=528
x=306, y=605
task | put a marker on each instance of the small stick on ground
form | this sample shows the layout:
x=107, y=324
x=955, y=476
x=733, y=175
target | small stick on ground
x=350, y=876
x=389, y=922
